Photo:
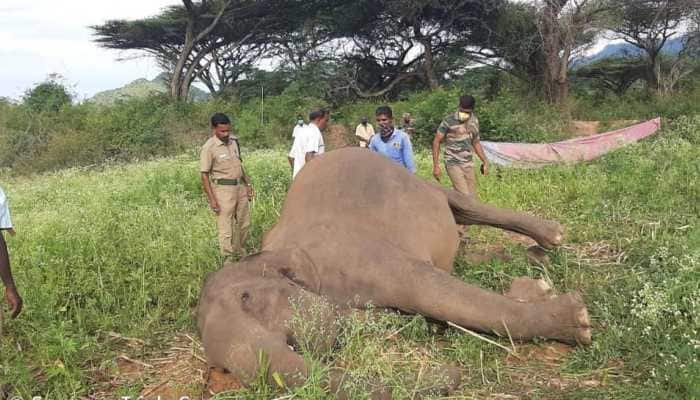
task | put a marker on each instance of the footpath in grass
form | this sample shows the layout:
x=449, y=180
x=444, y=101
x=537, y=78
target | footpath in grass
x=110, y=262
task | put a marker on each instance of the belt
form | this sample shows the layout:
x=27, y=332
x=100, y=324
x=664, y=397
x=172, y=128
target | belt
x=226, y=182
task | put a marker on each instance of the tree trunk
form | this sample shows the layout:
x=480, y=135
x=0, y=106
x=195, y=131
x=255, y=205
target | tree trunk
x=177, y=76
x=430, y=66
x=555, y=84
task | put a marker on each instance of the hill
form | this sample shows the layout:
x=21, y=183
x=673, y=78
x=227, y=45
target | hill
x=624, y=49
x=141, y=88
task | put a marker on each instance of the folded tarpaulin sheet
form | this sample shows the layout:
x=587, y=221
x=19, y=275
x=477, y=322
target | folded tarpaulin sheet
x=534, y=155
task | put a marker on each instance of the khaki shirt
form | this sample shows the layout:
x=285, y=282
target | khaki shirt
x=364, y=132
x=221, y=160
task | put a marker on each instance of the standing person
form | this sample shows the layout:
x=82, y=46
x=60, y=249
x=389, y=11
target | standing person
x=460, y=130
x=12, y=296
x=228, y=188
x=298, y=126
x=391, y=142
x=407, y=125
x=364, y=131
x=309, y=142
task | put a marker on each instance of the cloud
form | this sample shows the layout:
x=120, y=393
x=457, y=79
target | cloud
x=47, y=36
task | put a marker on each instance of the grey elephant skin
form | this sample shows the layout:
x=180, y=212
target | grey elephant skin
x=356, y=229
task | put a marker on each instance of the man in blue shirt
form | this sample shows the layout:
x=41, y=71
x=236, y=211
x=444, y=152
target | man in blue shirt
x=391, y=142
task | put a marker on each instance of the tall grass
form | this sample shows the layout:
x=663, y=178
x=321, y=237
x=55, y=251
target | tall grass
x=124, y=248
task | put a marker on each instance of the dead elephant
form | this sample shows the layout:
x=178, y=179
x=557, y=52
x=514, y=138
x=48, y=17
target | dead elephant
x=357, y=229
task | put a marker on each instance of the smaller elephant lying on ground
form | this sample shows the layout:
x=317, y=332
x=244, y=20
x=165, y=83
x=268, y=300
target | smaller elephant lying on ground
x=356, y=229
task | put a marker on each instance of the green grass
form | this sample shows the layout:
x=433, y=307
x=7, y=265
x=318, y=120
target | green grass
x=124, y=248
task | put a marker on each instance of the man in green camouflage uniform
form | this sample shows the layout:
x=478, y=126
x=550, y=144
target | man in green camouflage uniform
x=460, y=130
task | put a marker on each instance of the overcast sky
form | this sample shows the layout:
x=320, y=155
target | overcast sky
x=41, y=37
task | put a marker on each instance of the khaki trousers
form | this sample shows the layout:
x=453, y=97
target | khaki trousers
x=233, y=220
x=463, y=178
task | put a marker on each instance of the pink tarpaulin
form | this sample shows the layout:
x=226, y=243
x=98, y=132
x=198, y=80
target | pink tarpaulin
x=534, y=155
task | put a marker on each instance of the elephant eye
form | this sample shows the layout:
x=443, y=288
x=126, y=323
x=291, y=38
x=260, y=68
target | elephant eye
x=245, y=296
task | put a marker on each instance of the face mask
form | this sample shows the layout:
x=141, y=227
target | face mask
x=463, y=116
x=300, y=122
x=386, y=131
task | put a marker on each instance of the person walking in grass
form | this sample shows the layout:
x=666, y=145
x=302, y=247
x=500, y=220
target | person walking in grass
x=12, y=297
x=228, y=188
x=460, y=131
x=391, y=142
x=309, y=141
x=364, y=132
x=298, y=126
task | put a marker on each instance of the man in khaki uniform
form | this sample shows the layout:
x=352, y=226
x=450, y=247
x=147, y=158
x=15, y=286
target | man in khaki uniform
x=364, y=132
x=227, y=187
x=460, y=130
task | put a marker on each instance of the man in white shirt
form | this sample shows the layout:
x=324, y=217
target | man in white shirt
x=12, y=297
x=309, y=141
x=298, y=126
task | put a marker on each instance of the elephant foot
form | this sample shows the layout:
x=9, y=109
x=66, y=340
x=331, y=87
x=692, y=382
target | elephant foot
x=568, y=318
x=526, y=290
x=554, y=236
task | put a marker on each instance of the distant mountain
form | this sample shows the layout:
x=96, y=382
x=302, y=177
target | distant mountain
x=624, y=49
x=143, y=88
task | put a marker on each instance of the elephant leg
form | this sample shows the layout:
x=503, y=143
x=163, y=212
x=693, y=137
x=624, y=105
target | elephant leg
x=468, y=210
x=415, y=287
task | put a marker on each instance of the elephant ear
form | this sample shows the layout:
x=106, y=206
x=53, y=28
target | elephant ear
x=293, y=264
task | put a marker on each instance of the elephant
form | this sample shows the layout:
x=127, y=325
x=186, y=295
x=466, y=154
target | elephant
x=356, y=229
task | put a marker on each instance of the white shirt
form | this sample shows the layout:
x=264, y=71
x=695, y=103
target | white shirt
x=5, y=222
x=308, y=140
x=297, y=129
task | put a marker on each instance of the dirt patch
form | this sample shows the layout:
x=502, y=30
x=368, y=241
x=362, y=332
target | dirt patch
x=178, y=372
x=550, y=354
x=588, y=128
x=478, y=256
x=596, y=253
x=337, y=136
x=584, y=128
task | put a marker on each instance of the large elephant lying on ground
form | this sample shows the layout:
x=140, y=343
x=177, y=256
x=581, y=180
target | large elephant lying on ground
x=357, y=229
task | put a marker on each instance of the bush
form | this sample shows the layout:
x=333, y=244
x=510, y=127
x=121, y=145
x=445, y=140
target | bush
x=49, y=96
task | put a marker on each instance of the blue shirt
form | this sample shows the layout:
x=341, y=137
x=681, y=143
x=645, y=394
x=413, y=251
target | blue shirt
x=398, y=149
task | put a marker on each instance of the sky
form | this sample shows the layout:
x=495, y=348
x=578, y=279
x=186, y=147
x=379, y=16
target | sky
x=42, y=37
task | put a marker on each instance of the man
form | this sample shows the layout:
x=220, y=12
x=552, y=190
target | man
x=460, y=130
x=12, y=297
x=298, y=126
x=407, y=125
x=227, y=186
x=364, y=132
x=391, y=142
x=309, y=142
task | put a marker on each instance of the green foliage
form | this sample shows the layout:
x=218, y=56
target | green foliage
x=49, y=96
x=139, y=239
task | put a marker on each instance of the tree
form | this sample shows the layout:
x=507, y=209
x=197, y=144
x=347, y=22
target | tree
x=649, y=25
x=190, y=38
x=614, y=74
x=536, y=41
x=48, y=96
